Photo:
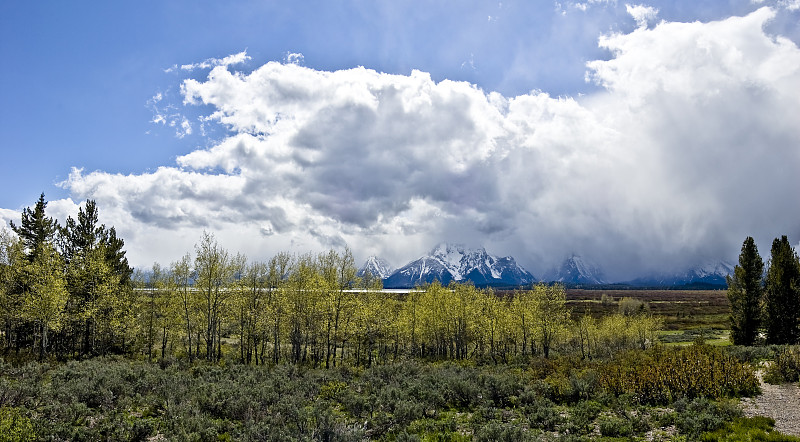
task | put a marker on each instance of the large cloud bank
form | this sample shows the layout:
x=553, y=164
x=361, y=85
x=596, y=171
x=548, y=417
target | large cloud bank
x=692, y=144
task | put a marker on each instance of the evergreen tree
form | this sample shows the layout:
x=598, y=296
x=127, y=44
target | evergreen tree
x=83, y=235
x=115, y=255
x=745, y=292
x=98, y=280
x=783, y=294
x=36, y=229
x=78, y=237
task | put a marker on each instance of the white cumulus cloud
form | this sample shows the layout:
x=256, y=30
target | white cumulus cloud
x=209, y=63
x=690, y=146
x=642, y=14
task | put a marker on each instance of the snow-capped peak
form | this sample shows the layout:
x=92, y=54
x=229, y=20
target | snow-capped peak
x=377, y=267
x=454, y=262
x=458, y=259
x=577, y=270
x=708, y=273
x=713, y=268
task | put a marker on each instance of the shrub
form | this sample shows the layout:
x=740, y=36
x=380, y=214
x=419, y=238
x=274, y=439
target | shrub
x=752, y=354
x=614, y=426
x=694, y=417
x=106, y=399
x=633, y=306
x=785, y=366
x=542, y=413
x=501, y=390
x=661, y=375
x=500, y=431
x=582, y=417
x=15, y=426
x=583, y=384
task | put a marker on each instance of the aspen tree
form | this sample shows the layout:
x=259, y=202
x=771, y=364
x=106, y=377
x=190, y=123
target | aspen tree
x=46, y=295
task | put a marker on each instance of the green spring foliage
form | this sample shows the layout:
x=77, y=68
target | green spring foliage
x=785, y=366
x=67, y=292
x=757, y=428
x=660, y=376
x=15, y=426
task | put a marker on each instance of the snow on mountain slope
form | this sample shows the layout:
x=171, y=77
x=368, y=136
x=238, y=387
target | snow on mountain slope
x=377, y=267
x=576, y=270
x=454, y=262
x=711, y=272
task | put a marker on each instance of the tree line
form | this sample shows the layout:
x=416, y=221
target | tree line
x=68, y=291
x=313, y=309
x=64, y=288
x=765, y=305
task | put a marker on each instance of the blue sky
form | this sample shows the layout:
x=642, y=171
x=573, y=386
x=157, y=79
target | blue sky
x=98, y=86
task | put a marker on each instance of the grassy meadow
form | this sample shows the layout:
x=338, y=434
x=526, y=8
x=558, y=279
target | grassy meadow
x=679, y=309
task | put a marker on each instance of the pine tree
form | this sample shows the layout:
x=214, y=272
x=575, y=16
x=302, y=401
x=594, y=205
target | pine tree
x=745, y=292
x=78, y=237
x=98, y=280
x=36, y=229
x=783, y=294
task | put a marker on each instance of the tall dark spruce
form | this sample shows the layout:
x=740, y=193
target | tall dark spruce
x=745, y=292
x=783, y=294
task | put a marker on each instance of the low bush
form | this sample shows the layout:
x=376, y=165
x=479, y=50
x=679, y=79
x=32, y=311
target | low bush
x=560, y=399
x=633, y=306
x=614, y=426
x=785, y=366
x=541, y=413
x=661, y=375
x=582, y=417
x=752, y=354
x=699, y=415
x=15, y=426
x=501, y=431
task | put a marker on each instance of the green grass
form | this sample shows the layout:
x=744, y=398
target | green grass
x=717, y=338
x=757, y=428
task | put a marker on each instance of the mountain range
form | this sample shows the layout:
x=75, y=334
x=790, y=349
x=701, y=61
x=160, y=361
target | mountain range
x=454, y=262
x=711, y=273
